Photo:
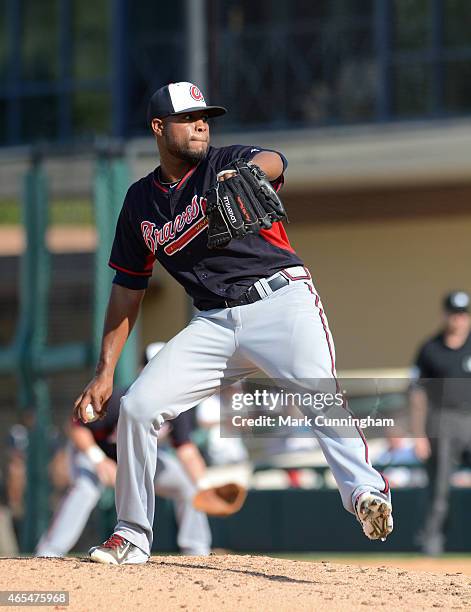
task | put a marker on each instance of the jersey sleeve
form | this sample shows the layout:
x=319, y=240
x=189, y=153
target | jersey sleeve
x=421, y=373
x=130, y=257
x=228, y=154
x=421, y=366
x=181, y=430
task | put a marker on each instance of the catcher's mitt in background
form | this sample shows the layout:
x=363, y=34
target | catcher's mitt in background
x=243, y=203
x=220, y=501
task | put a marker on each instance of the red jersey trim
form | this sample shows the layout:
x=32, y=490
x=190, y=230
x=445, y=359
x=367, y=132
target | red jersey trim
x=161, y=187
x=150, y=260
x=186, y=237
x=289, y=276
x=131, y=272
x=277, y=236
x=185, y=178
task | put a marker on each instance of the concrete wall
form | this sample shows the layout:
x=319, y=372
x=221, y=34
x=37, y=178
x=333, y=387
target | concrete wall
x=382, y=281
x=165, y=308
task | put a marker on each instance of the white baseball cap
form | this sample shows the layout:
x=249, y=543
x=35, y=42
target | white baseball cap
x=178, y=98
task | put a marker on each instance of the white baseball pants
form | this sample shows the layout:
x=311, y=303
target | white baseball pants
x=285, y=335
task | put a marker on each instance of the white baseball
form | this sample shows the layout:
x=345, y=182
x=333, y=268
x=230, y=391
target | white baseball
x=90, y=414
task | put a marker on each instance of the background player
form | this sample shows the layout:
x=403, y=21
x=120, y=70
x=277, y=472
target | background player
x=93, y=462
x=259, y=310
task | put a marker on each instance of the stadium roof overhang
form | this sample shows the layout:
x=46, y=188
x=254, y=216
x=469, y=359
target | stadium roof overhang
x=370, y=156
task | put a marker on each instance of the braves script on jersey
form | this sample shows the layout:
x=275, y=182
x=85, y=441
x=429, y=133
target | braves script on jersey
x=169, y=224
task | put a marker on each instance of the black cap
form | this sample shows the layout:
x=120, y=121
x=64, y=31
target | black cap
x=456, y=301
x=178, y=98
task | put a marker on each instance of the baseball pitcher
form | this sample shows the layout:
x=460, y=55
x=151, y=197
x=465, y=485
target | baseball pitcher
x=213, y=218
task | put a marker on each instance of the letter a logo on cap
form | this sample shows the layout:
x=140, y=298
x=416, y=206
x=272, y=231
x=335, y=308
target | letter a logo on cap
x=196, y=94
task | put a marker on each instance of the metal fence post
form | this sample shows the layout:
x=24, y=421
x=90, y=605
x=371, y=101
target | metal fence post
x=111, y=183
x=438, y=68
x=103, y=274
x=383, y=24
x=13, y=20
x=36, y=273
x=38, y=488
x=197, y=43
x=120, y=70
x=127, y=365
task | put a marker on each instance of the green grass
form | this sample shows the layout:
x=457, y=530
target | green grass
x=10, y=212
x=62, y=212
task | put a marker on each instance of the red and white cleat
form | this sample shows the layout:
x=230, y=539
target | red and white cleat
x=117, y=551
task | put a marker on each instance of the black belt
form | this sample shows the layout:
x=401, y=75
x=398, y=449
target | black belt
x=251, y=294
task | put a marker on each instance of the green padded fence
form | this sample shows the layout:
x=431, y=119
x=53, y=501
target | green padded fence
x=111, y=184
x=29, y=357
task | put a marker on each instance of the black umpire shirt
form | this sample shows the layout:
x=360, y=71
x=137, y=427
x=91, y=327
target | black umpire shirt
x=168, y=224
x=445, y=373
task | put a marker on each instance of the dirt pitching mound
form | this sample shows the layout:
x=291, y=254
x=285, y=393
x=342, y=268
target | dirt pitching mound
x=233, y=582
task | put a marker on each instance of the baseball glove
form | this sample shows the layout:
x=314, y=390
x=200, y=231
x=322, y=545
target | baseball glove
x=220, y=501
x=244, y=202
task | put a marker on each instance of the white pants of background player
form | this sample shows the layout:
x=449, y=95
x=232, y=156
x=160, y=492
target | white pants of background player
x=171, y=481
x=286, y=336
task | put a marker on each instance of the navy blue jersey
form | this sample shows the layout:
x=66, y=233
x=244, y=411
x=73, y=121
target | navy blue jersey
x=170, y=225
